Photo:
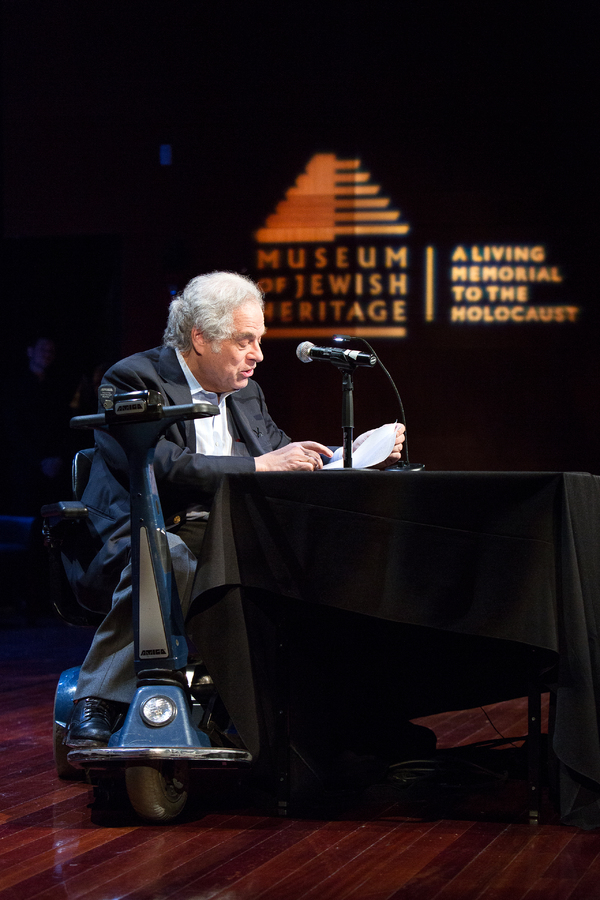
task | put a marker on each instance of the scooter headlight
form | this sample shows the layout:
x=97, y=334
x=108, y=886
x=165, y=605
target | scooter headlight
x=158, y=711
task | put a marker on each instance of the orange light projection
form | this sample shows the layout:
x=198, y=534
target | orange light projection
x=330, y=199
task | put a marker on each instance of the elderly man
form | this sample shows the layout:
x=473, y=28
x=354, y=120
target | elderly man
x=211, y=347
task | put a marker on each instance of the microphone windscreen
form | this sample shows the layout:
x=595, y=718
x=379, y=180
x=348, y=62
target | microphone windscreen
x=302, y=351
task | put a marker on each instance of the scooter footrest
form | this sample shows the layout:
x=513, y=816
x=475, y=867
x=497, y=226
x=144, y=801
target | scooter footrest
x=208, y=757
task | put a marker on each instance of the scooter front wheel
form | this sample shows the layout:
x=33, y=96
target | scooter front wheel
x=64, y=769
x=159, y=792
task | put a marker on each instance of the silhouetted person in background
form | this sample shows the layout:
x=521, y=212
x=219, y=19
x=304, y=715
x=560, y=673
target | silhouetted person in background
x=36, y=463
x=84, y=402
x=36, y=441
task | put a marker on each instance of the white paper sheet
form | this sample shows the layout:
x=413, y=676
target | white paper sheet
x=372, y=451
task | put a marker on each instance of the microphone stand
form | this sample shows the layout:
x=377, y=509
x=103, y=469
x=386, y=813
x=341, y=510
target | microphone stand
x=346, y=363
x=347, y=417
x=347, y=368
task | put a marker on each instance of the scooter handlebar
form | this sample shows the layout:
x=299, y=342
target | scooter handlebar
x=190, y=411
x=131, y=411
x=96, y=421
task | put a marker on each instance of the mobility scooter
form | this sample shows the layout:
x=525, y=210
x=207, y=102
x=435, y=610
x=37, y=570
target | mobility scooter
x=168, y=727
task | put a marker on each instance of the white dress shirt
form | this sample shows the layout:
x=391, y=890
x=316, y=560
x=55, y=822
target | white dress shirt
x=213, y=433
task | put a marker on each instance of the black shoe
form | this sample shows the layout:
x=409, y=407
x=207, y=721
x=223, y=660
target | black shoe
x=92, y=722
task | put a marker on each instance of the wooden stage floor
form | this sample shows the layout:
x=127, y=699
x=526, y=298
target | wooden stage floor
x=455, y=841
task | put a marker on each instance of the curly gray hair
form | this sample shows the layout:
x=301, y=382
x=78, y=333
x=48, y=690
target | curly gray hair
x=208, y=303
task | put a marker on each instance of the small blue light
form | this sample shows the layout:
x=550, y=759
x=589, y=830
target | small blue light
x=166, y=154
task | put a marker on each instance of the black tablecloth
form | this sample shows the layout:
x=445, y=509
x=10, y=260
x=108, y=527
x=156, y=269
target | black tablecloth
x=392, y=564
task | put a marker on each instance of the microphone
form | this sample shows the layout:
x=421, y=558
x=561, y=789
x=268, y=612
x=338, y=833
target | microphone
x=307, y=352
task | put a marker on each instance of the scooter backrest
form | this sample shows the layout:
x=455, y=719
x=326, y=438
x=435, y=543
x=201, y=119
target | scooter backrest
x=80, y=472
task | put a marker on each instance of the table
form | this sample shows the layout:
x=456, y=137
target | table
x=380, y=563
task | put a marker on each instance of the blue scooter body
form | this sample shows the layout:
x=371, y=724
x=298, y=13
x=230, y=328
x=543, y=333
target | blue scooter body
x=162, y=721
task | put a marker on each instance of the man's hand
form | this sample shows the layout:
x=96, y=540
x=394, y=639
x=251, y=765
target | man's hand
x=300, y=456
x=396, y=452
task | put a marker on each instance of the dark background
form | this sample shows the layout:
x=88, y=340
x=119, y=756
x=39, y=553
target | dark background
x=479, y=120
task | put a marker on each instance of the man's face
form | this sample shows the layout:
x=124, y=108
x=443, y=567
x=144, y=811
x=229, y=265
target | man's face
x=229, y=369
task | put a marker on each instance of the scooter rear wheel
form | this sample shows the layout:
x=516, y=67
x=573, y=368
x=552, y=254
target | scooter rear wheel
x=158, y=792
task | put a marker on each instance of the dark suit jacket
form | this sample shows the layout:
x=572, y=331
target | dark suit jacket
x=184, y=478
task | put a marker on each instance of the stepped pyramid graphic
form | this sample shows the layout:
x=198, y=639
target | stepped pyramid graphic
x=332, y=197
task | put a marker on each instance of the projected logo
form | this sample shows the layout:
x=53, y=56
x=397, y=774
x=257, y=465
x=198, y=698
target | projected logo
x=334, y=256
x=331, y=256
x=333, y=198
